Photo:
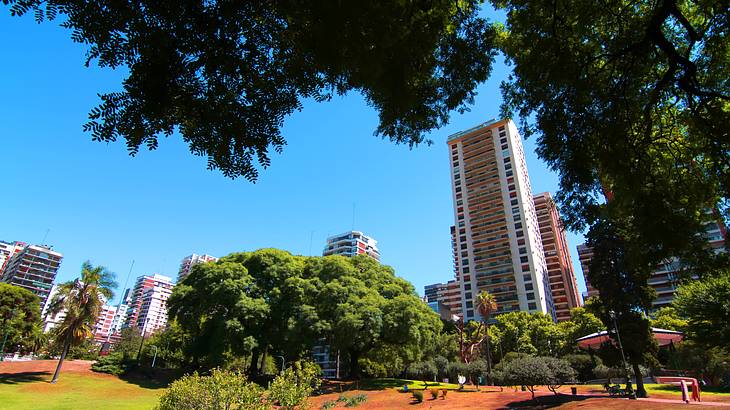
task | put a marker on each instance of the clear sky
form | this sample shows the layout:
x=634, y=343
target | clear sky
x=94, y=202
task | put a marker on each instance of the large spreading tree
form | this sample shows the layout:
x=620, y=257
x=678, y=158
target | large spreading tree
x=273, y=303
x=20, y=312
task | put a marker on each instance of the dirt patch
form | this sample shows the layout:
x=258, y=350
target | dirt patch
x=45, y=366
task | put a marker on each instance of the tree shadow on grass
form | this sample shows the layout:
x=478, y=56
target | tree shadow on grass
x=148, y=378
x=25, y=377
x=544, y=402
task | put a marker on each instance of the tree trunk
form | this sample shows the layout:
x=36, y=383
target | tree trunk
x=640, y=390
x=262, y=368
x=253, y=367
x=489, y=360
x=66, y=346
x=354, y=365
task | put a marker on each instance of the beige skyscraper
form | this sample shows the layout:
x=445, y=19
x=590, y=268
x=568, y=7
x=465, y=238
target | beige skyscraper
x=563, y=285
x=496, y=233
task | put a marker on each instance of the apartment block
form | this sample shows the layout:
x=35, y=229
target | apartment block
x=563, y=286
x=189, y=261
x=7, y=250
x=104, y=327
x=148, y=304
x=352, y=243
x=33, y=267
x=496, y=229
x=665, y=279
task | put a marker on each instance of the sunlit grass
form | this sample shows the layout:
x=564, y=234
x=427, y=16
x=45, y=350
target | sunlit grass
x=74, y=391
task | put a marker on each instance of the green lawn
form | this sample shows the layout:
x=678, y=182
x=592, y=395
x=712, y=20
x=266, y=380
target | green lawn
x=705, y=391
x=74, y=391
x=381, y=384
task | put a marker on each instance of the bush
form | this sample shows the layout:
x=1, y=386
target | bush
x=442, y=367
x=422, y=370
x=443, y=394
x=418, y=395
x=353, y=401
x=560, y=373
x=112, y=364
x=583, y=364
x=457, y=368
x=221, y=390
x=329, y=404
x=372, y=369
x=536, y=371
x=294, y=385
x=434, y=393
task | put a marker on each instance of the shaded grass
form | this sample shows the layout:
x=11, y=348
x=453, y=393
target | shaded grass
x=74, y=391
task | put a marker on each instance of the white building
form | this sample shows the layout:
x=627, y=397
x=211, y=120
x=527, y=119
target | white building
x=350, y=244
x=148, y=304
x=189, y=261
x=497, y=237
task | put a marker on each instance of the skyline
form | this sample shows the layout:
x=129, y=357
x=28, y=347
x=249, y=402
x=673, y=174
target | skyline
x=156, y=208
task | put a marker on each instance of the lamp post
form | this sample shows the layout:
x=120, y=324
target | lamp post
x=154, y=358
x=283, y=363
x=629, y=388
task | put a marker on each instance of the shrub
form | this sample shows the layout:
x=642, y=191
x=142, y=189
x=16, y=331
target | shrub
x=112, y=364
x=221, y=390
x=455, y=369
x=292, y=388
x=418, y=395
x=434, y=393
x=422, y=370
x=443, y=394
x=329, y=404
x=355, y=400
x=372, y=369
x=560, y=373
x=583, y=364
x=527, y=371
x=442, y=366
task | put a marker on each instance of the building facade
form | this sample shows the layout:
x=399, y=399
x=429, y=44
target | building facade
x=666, y=278
x=7, y=250
x=189, y=261
x=444, y=295
x=350, y=244
x=496, y=232
x=33, y=267
x=563, y=286
x=148, y=303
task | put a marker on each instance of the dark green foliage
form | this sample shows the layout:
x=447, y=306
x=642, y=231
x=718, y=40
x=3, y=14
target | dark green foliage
x=19, y=315
x=583, y=365
x=422, y=371
x=353, y=401
x=711, y=363
x=417, y=395
x=329, y=404
x=226, y=75
x=112, y=364
x=533, y=371
x=128, y=344
x=704, y=304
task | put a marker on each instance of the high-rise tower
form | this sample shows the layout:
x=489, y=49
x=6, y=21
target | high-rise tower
x=352, y=243
x=497, y=234
x=563, y=285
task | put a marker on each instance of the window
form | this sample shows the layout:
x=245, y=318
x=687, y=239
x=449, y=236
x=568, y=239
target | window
x=523, y=251
x=461, y=217
x=462, y=238
x=508, y=166
x=525, y=268
x=464, y=262
x=530, y=296
x=513, y=194
x=528, y=286
x=506, y=160
x=520, y=242
x=527, y=278
x=504, y=146
x=513, y=202
x=458, y=189
x=511, y=187
x=467, y=286
x=464, y=254
x=469, y=304
x=503, y=140
x=532, y=306
x=466, y=270
x=469, y=313
x=467, y=295
x=463, y=246
x=520, y=234
x=509, y=173
x=517, y=217
x=523, y=259
x=518, y=225
x=462, y=231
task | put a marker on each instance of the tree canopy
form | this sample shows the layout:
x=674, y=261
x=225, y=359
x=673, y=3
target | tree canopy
x=704, y=305
x=272, y=302
x=226, y=74
x=19, y=313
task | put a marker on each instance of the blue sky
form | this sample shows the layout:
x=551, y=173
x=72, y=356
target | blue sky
x=100, y=204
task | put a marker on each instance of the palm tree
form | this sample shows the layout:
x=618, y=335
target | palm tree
x=486, y=306
x=82, y=300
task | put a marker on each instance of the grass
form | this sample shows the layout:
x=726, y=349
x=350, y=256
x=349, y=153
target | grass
x=74, y=391
x=382, y=384
x=704, y=391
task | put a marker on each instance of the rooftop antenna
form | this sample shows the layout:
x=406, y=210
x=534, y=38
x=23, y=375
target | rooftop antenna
x=353, y=217
x=43, y=242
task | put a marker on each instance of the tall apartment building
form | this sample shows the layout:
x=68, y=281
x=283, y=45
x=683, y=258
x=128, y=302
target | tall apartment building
x=34, y=267
x=497, y=233
x=104, y=327
x=7, y=250
x=563, y=286
x=352, y=243
x=189, y=261
x=665, y=279
x=148, y=304
x=447, y=295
